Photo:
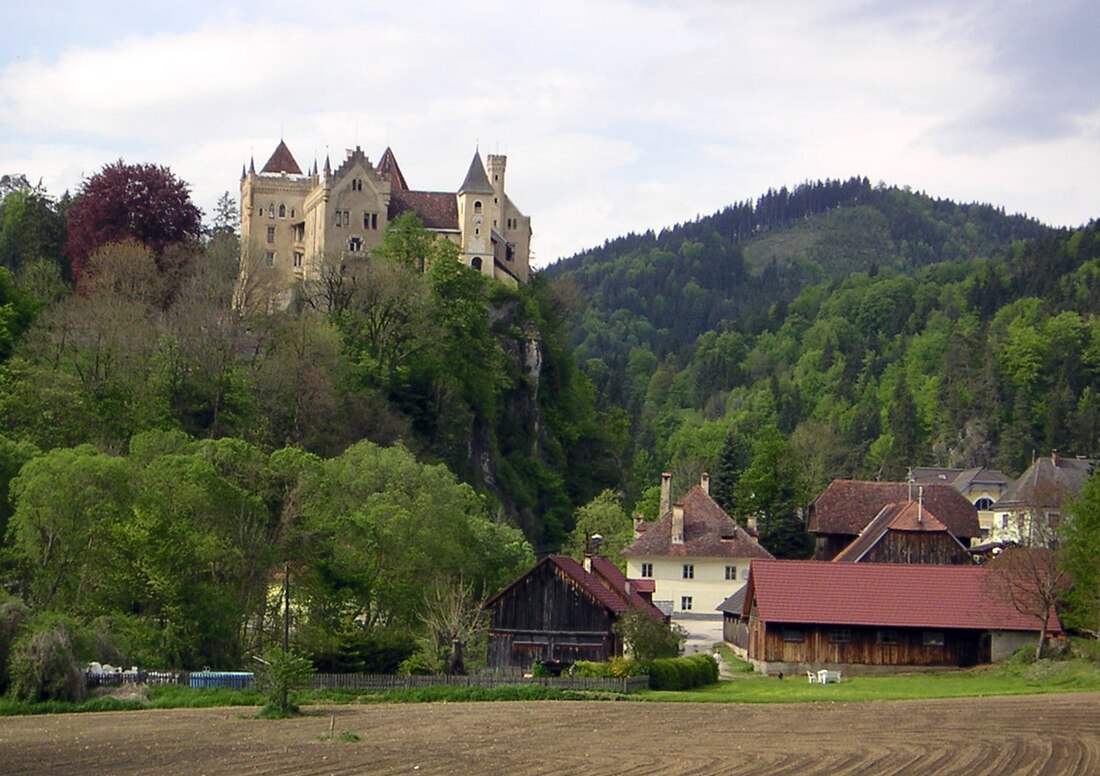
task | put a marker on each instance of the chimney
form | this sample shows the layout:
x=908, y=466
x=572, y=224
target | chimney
x=638, y=520
x=920, y=505
x=704, y=482
x=1055, y=458
x=750, y=524
x=677, y=524
x=666, y=494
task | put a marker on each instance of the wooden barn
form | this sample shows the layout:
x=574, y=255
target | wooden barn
x=804, y=615
x=906, y=533
x=562, y=611
x=845, y=508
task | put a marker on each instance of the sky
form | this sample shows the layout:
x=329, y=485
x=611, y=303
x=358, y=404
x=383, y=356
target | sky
x=615, y=116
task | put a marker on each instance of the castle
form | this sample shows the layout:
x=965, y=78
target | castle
x=292, y=224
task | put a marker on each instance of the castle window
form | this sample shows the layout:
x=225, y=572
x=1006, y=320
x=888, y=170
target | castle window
x=292, y=212
x=298, y=258
x=347, y=217
x=477, y=232
x=355, y=244
x=271, y=210
x=373, y=220
x=477, y=205
x=475, y=262
x=357, y=185
x=269, y=258
x=271, y=234
x=282, y=211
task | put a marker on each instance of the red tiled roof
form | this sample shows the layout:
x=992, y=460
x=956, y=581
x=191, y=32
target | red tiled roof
x=603, y=569
x=908, y=516
x=882, y=594
x=437, y=209
x=611, y=594
x=282, y=161
x=708, y=533
x=848, y=506
x=387, y=165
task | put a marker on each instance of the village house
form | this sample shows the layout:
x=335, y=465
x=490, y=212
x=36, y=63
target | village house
x=562, y=611
x=1031, y=509
x=807, y=615
x=906, y=533
x=293, y=224
x=695, y=554
x=981, y=486
x=846, y=507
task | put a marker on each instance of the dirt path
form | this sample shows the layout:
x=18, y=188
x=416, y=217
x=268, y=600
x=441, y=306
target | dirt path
x=1054, y=734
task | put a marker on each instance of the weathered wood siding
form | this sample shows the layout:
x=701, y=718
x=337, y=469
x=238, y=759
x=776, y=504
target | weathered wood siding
x=775, y=643
x=735, y=631
x=547, y=617
x=917, y=547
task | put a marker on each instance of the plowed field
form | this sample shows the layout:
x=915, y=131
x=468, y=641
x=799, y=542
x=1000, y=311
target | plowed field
x=1052, y=734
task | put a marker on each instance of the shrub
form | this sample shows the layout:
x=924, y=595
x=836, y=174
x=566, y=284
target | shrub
x=361, y=651
x=282, y=673
x=683, y=673
x=647, y=638
x=45, y=662
x=13, y=614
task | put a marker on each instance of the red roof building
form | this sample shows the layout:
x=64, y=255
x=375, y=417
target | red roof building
x=846, y=508
x=805, y=614
x=562, y=611
x=906, y=533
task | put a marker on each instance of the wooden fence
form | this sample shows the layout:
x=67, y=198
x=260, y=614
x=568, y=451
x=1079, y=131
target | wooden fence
x=393, y=682
x=373, y=681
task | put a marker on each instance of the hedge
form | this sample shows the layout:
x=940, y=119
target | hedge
x=682, y=673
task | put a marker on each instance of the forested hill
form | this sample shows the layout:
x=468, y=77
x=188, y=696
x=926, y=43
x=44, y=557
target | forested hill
x=659, y=291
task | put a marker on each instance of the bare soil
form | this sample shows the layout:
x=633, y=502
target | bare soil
x=1050, y=734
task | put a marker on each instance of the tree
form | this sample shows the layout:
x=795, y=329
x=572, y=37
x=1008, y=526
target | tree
x=31, y=229
x=1032, y=579
x=735, y=456
x=226, y=215
x=602, y=515
x=772, y=489
x=144, y=202
x=647, y=638
x=1080, y=549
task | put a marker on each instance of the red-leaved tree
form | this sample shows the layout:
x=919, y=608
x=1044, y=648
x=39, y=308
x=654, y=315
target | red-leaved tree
x=143, y=202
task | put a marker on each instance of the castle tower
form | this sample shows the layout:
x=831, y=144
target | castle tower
x=475, y=212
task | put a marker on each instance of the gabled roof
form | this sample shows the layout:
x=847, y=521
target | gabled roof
x=477, y=182
x=959, y=479
x=735, y=603
x=610, y=592
x=708, y=533
x=1048, y=482
x=387, y=166
x=891, y=595
x=909, y=516
x=607, y=572
x=437, y=209
x=846, y=507
x=282, y=161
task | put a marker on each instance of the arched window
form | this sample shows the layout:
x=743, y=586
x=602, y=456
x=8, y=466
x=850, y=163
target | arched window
x=282, y=210
x=475, y=262
x=271, y=210
x=477, y=205
x=983, y=503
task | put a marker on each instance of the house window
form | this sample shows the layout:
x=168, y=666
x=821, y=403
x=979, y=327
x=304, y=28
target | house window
x=269, y=258
x=689, y=571
x=685, y=603
x=932, y=639
x=840, y=635
x=983, y=503
x=298, y=258
x=282, y=211
x=271, y=234
x=793, y=634
x=647, y=570
x=355, y=244
x=731, y=572
x=889, y=637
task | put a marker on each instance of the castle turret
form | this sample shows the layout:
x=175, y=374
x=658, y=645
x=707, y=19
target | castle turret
x=475, y=214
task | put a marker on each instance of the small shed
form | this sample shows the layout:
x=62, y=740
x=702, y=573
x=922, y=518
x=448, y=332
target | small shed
x=906, y=533
x=563, y=611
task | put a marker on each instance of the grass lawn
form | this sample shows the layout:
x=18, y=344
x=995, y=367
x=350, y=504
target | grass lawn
x=1015, y=677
